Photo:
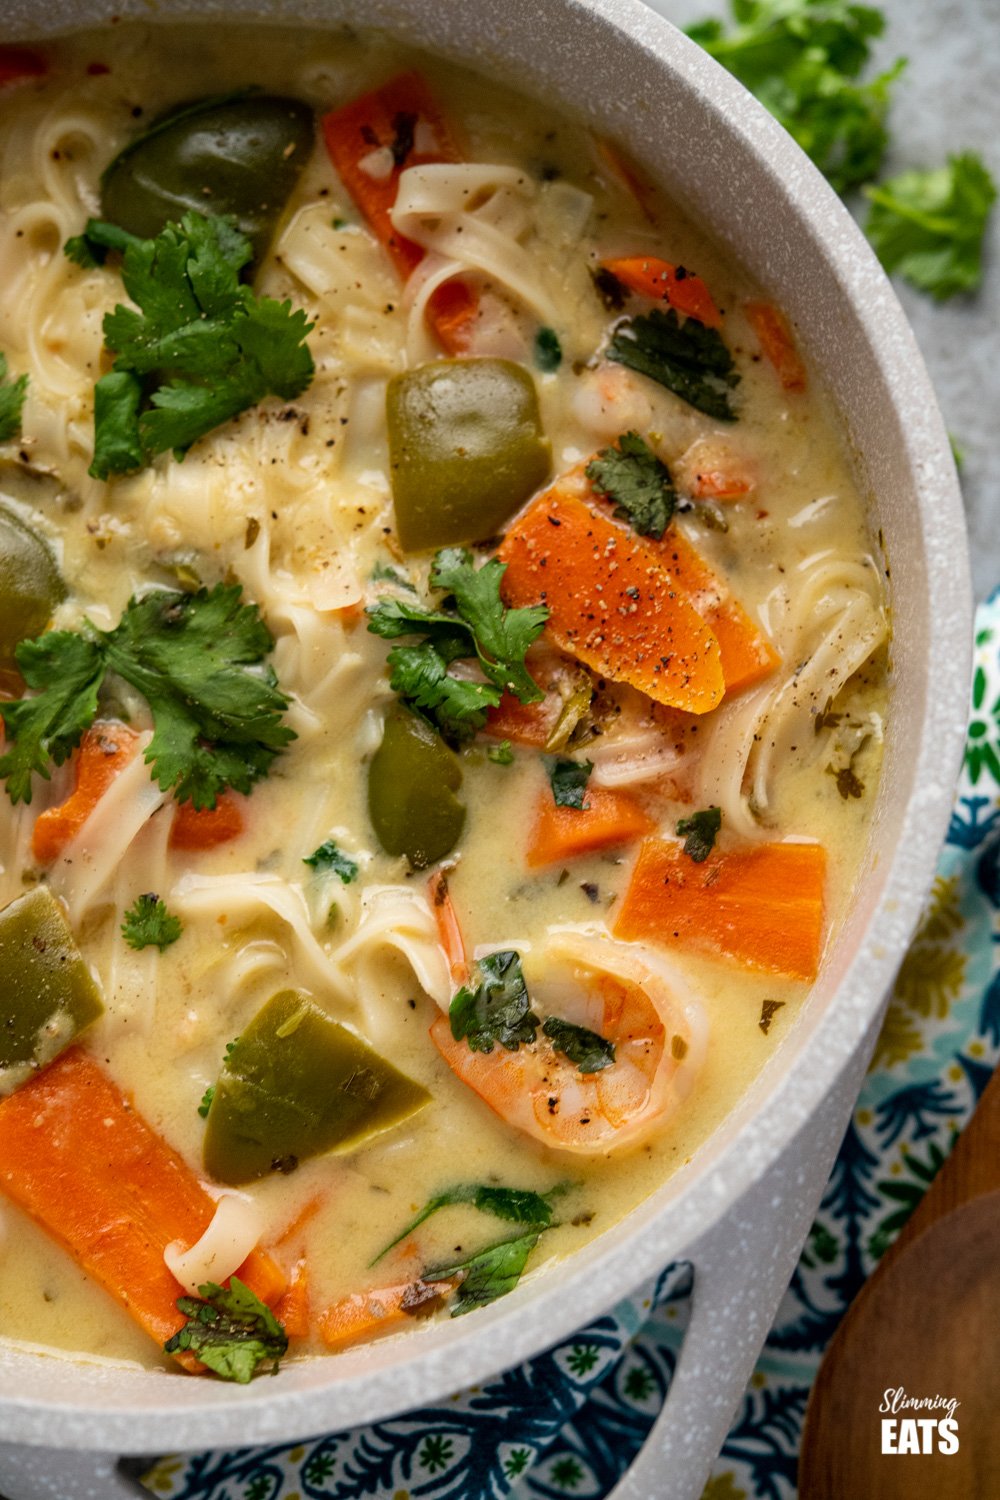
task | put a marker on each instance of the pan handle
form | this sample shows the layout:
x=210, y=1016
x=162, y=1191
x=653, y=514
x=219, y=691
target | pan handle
x=29, y=1473
x=742, y=1268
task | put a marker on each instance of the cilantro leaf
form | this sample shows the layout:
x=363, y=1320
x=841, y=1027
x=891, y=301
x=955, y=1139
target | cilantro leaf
x=491, y=1273
x=517, y=1205
x=548, y=350
x=588, y=1049
x=568, y=779
x=929, y=226
x=90, y=248
x=197, y=349
x=638, y=484
x=502, y=636
x=502, y=754
x=12, y=396
x=803, y=59
x=206, y=1101
x=231, y=1331
x=148, y=924
x=66, y=670
x=701, y=830
x=329, y=858
x=687, y=358
x=498, y=1009
x=456, y=705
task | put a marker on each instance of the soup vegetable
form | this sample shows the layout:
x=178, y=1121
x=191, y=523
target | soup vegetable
x=443, y=667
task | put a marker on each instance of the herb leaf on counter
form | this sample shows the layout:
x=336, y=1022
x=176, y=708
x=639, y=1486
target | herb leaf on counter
x=699, y=832
x=148, y=924
x=231, y=1331
x=590, y=1051
x=929, y=226
x=568, y=779
x=488, y=1274
x=687, y=358
x=329, y=858
x=12, y=394
x=516, y=1205
x=498, y=1009
x=637, y=483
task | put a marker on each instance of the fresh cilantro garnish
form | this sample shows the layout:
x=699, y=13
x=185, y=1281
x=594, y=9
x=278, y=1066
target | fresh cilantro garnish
x=548, y=350
x=638, y=484
x=688, y=358
x=498, y=1009
x=699, y=832
x=200, y=349
x=90, y=248
x=489, y=1274
x=148, y=924
x=929, y=226
x=588, y=1049
x=206, y=1101
x=195, y=658
x=516, y=1205
x=473, y=623
x=568, y=779
x=231, y=1331
x=12, y=396
x=328, y=858
x=501, y=755
x=803, y=59
x=384, y=573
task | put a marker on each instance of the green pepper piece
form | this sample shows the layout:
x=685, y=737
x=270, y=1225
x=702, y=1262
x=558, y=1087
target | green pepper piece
x=465, y=448
x=49, y=994
x=239, y=155
x=30, y=584
x=296, y=1084
x=412, y=782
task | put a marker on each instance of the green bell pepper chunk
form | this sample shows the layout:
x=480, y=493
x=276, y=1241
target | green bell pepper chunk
x=412, y=782
x=49, y=994
x=237, y=155
x=465, y=449
x=30, y=585
x=296, y=1084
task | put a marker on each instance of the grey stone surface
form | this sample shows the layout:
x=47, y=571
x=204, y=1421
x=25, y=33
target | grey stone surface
x=947, y=100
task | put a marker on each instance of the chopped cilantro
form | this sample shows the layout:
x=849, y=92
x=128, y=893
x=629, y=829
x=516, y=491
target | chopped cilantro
x=568, y=779
x=217, y=713
x=638, y=484
x=231, y=1331
x=473, y=623
x=502, y=754
x=148, y=924
x=12, y=394
x=383, y=573
x=548, y=350
x=200, y=349
x=929, y=226
x=588, y=1049
x=517, y=1205
x=699, y=832
x=90, y=248
x=206, y=1101
x=328, y=858
x=803, y=60
x=498, y=1009
x=491, y=1273
x=687, y=358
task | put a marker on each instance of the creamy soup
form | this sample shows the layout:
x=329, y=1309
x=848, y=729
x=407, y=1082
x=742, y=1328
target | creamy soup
x=486, y=844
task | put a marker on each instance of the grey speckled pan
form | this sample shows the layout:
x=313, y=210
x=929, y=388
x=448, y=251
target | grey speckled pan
x=740, y=1210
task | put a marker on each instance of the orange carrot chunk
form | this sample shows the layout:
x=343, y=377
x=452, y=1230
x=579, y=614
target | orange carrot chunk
x=292, y=1309
x=77, y=1157
x=611, y=602
x=206, y=827
x=524, y=723
x=762, y=906
x=649, y=276
x=404, y=118
x=777, y=344
x=365, y=1315
x=104, y=750
x=564, y=832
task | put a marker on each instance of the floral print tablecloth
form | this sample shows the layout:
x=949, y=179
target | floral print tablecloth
x=566, y=1425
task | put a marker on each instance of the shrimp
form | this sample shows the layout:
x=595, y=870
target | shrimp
x=633, y=998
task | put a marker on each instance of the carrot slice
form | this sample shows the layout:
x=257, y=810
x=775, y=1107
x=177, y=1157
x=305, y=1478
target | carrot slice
x=612, y=604
x=651, y=277
x=628, y=174
x=564, y=832
x=524, y=723
x=292, y=1309
x=396, y=116
x=762, y=905
x=104, y=750
x=365, y=1315
x=777, y=344
x=206, y=827
x=20, y=62
x=448, y=926
x=77, y=1157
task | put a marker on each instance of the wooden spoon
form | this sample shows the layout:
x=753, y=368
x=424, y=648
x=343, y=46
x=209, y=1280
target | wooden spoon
x=927, y=1321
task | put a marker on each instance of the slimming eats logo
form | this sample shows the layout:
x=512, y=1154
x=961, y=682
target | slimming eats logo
x=923, y=1434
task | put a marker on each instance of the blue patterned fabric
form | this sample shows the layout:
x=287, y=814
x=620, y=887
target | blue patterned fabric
x=569, y=1422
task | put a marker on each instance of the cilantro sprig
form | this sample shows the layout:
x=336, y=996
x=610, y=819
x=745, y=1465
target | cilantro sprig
x=148, y=924
x=498, y=1009
x=637, y=483
x=12, y=394
x=330, y=859
x=515, y=1205
x=471, y=624
x=929, y=226
x=587, y=1049
x=197, y=349
x=699, y=833
x=489, y=1273
x=687, y=358
x=230, y=1330
x=568, y=780
x=197, y=659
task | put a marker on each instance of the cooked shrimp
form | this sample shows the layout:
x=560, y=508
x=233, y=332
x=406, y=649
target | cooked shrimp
x=633, y=998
